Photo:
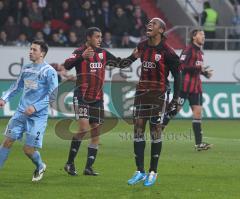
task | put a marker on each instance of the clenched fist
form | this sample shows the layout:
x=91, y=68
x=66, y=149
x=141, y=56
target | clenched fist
x=30, y=110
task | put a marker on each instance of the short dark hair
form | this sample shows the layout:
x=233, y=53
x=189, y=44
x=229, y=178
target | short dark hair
x=43, y=45
x=194, y=32
x=206, y=5
x=90, y=31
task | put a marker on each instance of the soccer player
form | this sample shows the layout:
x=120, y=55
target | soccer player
x=89, y=61
x=158, y=59
x=38, y=80
x=191, y=86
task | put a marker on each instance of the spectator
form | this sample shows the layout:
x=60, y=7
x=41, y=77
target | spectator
x=47, y=31
x=108, y=41
x=65, y=14
x=39, y=36
x=3, y=13
x=3, y=39
x=126, y=42
x=79, y=29
x=209, y=22
x=86, y=13
x=22, y=41
x=35, y=13
x=104, y=15
x=11, y=29
x=119, y=25
x=139, y=21
x=26, y=28
x=55, y=40
x=18, y=11
x=62, y=37
x=235, y=33
x=72, y=39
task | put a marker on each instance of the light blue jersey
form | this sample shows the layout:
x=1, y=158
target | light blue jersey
x=39, y=83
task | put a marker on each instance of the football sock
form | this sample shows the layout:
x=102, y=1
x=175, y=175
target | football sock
x=139, y=146
x=75, y=144
x=156, y=147
x=196, y=124
x=92, y=153
x=3, y=155
x=36, y=159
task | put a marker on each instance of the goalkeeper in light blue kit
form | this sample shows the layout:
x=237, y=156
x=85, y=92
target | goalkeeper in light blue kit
x=38, y=81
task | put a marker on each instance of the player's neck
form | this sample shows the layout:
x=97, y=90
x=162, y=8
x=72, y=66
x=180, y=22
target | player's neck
x=198, y=45
x=38, y=61
x=154, y=41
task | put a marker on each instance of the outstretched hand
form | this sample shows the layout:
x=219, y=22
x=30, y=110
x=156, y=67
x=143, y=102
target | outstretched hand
x=136, y=53
x=2, y=103
x=207, y=72
x=88, y=53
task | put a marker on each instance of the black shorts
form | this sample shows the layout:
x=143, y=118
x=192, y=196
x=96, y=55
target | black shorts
x=193, y=98
x=94, y=110
x=149, y=105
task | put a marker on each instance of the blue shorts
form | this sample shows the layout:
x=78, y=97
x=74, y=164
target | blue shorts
x=33, y=126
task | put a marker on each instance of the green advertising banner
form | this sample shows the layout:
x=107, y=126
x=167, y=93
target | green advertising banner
x=220, y=100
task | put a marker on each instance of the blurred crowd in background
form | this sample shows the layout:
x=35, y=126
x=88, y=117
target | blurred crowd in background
x=63, y=22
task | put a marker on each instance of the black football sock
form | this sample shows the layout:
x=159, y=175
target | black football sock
x=156, y=148
x=92, y=153
x=139, y=147
x=75, y=144
x=197, y=129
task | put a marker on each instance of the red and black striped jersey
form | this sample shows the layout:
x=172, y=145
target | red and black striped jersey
x=157, y=61
x=191, y=60
x=90, y=72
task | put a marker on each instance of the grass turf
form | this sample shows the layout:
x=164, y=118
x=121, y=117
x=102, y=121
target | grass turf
x=183, y=172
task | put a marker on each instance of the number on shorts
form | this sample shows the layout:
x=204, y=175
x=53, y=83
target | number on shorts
x=38, y=134
x=83, y=112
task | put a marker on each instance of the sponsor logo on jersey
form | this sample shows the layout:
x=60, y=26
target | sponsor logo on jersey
x=147, y=64
x=30, y=84
x=157, y=57
x=96, y=65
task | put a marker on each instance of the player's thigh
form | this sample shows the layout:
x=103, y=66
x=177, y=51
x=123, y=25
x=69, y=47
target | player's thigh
x=16, y=126
x=195, y=100
x=148, y=104
x=35, y=132
x=96, y=112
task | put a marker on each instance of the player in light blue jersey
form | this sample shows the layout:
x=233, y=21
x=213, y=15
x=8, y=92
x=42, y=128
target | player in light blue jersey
x=38, y=81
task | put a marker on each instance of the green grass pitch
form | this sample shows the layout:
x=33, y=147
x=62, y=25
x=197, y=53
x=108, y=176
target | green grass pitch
x=183, y=172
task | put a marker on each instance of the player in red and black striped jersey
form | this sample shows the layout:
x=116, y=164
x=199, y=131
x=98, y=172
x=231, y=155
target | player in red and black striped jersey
x=191, y=85
x=158, y=60
x=89, y=61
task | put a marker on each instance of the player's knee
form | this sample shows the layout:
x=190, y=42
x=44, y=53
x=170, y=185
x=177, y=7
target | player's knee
x=8, y=142
x=28, y=150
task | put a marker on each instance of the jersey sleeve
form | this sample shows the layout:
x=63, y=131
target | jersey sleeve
x=172, y=61
x=118, y=62
x=15, y=88
x=74, y=60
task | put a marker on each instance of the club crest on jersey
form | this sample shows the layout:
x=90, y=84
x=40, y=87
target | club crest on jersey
x=100, y=55
x=183, y=57
x=157, y=57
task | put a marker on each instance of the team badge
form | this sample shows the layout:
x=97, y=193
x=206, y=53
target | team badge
x=100, y=55
x=183, y=57
x=157, y=57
